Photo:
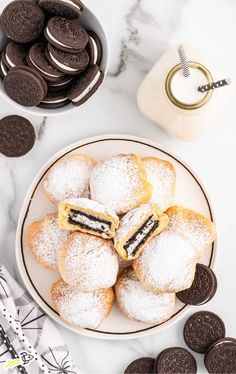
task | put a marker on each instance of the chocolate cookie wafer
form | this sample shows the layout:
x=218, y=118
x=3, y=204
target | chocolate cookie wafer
x=17, y=136
x=143, y=365
x=22, y=21
x=203, y=287
x=203, y=329
x=175, y=360
x=220, y=358
x=25, y=86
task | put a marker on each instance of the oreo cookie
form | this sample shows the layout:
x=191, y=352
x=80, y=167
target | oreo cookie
x=62, y=8
x=221, y=357
x=3, y=69
x=203, y=287
x=25, y=86
x=175, y=360
x=66, y=34
x=54, y=99
x=85, y=85
x=17, y=136
x=22, y=21
x=68, y=63
x=144, y=365
x=37, y=60
x=94, y=48
x=15, y=54
x=203, y=329
x=63, y=83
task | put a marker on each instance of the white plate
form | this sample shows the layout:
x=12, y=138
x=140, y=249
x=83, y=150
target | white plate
x=190, y=193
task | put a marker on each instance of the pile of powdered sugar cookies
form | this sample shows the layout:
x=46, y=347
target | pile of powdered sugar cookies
x=116, y=236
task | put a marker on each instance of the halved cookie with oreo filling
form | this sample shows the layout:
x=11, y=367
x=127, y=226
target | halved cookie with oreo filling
x=88, y=216
x=137, y=228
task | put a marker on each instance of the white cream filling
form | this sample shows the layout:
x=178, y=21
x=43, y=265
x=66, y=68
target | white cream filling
x=95, y=49
x=44, y=72
x=3, y=69
x=96, y=225
x=54, y=101
x=67, y=68
x=60, y=84
x=89, y=88
x=9, y=61
x=55, y=40
x=72, y=4
x=140, y=236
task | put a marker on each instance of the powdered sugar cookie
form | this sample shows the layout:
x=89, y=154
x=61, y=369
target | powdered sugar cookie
x=167, y=263
x=198, y=229
x=137, y=228
x=69, y=178
x=140, y=304
x=79, y=308
x=88, y=262
x=161, y=174
x=120, y=182
x=87, y=216
x=45, y=239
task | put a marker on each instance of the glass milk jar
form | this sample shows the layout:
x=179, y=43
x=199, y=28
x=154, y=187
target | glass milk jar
x=173, y=101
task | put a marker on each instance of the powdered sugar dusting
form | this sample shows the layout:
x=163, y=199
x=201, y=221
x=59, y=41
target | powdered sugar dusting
x=69, y=178
x=141, y=304
x=47, y=242
x=198, y=229
x=167, y=263
x=161, y=175
x=82, y=309
x=90, y=262
x=93, y=205
x=118, y=182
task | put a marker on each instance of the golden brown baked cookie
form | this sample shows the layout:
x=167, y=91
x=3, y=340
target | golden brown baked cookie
x=137, y=228
x=45, y=239
x=199, y=230
x=88, y=262
x=167, y=263
x=69, y=178
x=137, y=303
x=120, y=182
x=161, y=174
x=87, y=216
x=81, y=309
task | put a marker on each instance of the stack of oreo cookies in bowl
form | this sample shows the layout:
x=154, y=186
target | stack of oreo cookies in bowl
x=52, y=56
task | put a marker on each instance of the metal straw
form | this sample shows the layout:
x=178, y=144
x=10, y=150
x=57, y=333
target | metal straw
x=183, y=61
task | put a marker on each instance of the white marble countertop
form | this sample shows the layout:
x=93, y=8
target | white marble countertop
x=139, y=31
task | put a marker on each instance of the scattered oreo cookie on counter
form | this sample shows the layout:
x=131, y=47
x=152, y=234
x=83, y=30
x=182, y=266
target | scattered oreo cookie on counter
x=202, y=329
x=203, y=287
x=49, y=54
x=17, y=136
x=204, y=332
x=221, y=357
x=175, y=360
x=143, y=365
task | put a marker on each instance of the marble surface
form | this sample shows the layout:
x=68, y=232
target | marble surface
x=139, y=32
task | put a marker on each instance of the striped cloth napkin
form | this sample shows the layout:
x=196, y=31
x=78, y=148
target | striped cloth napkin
x=29, y=341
